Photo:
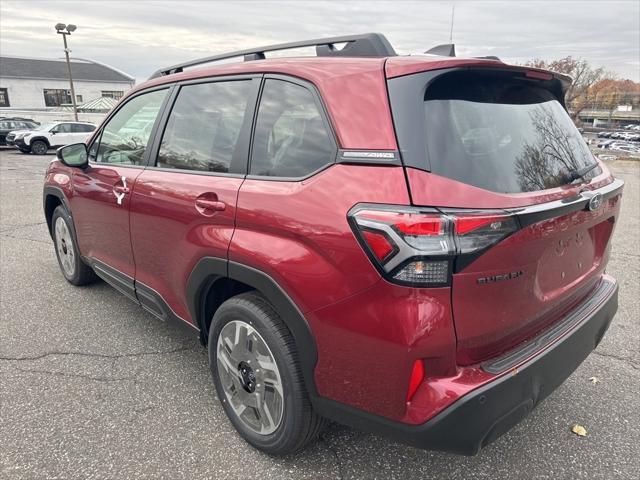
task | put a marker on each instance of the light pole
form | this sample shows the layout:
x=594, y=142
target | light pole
x=65, y=30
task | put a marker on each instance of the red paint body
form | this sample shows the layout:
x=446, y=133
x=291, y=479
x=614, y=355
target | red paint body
x=164, y=219
x=368, y=331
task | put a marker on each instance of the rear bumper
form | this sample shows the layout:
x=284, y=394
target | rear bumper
x=481, y=416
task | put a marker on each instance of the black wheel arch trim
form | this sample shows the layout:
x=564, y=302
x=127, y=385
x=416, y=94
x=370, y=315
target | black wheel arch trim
x=57, y=192
x=210, y=269
x=42, y=139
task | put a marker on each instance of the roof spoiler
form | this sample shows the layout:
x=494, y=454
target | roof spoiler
x=363, y=45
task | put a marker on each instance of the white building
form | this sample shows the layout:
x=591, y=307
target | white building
x=38, y=84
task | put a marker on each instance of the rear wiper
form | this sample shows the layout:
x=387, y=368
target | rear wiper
x=573, y=175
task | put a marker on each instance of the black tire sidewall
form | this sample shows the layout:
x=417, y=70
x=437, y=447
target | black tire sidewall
x=37, y=142
x=61, y=212
x=290, y=423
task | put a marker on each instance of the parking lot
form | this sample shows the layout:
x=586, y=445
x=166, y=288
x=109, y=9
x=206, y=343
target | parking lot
x=92, y=386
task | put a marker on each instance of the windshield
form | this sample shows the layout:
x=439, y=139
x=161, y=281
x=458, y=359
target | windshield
x=499, y=132
x=45, y=126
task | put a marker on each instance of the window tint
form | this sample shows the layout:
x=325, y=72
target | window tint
x=61, y=128
x=124, y=138
x=493, y=130
x=81, y=128
x=291, y=139
x=204, y=126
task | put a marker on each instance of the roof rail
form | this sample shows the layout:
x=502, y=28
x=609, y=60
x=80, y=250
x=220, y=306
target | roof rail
x=363, y=45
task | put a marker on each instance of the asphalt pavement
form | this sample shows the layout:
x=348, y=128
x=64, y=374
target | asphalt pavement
x=92, y=386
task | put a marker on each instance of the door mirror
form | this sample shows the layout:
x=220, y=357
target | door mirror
x=74, y=155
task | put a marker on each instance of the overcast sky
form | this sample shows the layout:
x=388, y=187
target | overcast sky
x=140, y=36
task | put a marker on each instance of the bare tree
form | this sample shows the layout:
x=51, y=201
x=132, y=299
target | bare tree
x=548, y=156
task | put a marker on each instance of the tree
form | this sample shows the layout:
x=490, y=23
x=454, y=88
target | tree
x=579, y=94
x=609, y=93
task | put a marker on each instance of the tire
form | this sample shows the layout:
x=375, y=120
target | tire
x=283, y=431
x=71, y=265
x=39, y=147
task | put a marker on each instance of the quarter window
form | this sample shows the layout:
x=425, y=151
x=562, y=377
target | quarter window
x=291, y=139
x=124, y=138
x=204, y=126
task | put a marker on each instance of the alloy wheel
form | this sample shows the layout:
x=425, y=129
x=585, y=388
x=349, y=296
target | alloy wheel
x=39, y=148
x=250, y=377
x=64, y=245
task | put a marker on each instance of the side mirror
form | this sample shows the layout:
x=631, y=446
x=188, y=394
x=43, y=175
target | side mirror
x=74, y=155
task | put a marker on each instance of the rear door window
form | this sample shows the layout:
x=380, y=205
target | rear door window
x=494, y=131
x=291, y=137
x=62, y=128
x=203, y=128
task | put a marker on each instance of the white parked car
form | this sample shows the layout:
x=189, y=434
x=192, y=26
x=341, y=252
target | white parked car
x=49, y=135
x=624, y=147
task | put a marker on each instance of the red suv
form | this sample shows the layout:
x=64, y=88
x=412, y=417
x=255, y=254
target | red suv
x=410, y=245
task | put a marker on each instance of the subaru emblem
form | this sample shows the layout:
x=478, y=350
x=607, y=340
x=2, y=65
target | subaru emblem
x=595, y=202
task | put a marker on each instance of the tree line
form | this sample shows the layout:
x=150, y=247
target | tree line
x=592, y=88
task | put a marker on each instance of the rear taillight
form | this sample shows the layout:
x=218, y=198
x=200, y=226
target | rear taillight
x=418, y=246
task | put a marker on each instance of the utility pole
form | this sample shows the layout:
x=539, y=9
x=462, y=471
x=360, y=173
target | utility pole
x=453, y=11
x=65, y=30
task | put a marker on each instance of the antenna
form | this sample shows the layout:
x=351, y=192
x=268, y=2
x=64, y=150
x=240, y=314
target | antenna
x=453, y=11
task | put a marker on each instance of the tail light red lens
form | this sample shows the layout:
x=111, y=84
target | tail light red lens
x=476, y=232
x=473, y=222
x=379, y=244
x=424, y=226
x=418, y=246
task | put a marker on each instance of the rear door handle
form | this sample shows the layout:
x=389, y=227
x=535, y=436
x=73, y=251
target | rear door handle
x=207, y=205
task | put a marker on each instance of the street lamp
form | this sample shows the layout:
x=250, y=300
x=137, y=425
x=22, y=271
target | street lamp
x=65, y=30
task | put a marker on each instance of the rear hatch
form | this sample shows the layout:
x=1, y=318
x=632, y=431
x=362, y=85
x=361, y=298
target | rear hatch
x=533, y=211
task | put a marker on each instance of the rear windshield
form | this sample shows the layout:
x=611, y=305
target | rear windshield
x=499, y=132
